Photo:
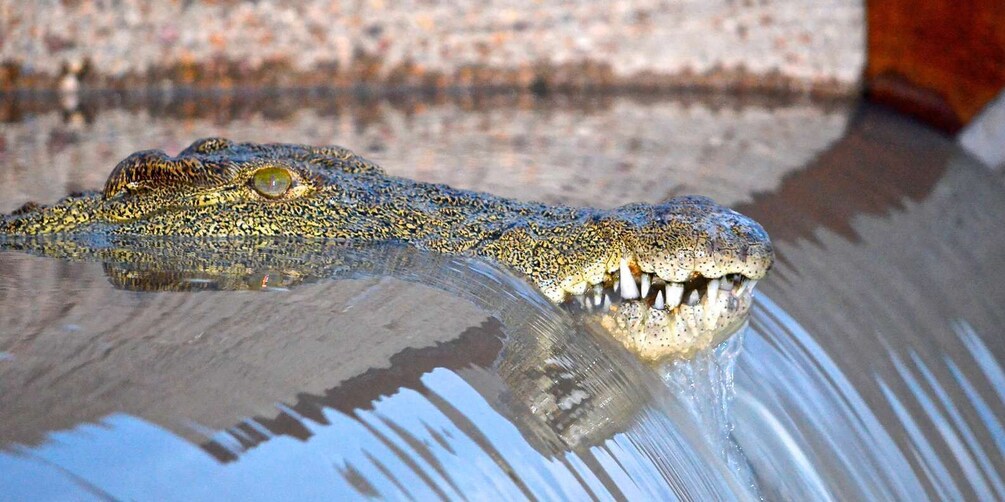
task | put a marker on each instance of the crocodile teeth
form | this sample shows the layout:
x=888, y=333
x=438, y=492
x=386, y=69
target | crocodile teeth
x=711, y=298
x=692, y=324
x=675, y=291
x=712, y=291
x=745, y=285
x=702, y=295
x=658, y=304
x=693, y=298
x=629, y=290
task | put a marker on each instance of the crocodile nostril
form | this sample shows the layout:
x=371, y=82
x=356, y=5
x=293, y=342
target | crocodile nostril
x=272, y=182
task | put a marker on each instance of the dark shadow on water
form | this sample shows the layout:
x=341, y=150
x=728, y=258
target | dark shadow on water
x=881, y=161
x=476, y=346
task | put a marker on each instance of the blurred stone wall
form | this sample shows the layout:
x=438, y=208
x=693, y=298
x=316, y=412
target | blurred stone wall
x=798, y=45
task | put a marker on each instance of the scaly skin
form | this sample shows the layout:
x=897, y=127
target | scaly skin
x=216, y=188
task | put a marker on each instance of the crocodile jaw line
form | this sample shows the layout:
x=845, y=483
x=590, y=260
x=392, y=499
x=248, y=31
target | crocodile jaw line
x=658, y=319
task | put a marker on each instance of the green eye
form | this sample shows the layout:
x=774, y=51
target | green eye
x=272, y=182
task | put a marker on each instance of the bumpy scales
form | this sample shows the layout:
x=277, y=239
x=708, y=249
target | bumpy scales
x=685, y=268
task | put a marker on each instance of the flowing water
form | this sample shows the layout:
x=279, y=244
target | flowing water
x=871, y=367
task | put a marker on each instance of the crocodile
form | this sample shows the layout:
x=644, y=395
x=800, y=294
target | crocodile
x=666, y=279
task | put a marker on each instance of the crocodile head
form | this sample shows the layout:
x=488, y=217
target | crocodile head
x=666, y=279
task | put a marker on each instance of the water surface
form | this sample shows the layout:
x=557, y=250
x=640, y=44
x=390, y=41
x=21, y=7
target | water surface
x=872, y=367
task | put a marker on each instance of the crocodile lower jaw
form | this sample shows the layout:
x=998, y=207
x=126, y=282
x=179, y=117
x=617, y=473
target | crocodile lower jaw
x=660, y=319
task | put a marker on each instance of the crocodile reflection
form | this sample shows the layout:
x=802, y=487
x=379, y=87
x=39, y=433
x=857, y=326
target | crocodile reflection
x=564, y=387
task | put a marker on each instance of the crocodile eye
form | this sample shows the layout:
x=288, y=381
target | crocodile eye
x=272, y=182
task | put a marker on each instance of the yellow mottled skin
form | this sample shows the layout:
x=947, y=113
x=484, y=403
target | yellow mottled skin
x=217, y=188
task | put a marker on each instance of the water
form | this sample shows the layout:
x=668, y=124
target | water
x=882, y=326
x=871, y=369
x=401, y=404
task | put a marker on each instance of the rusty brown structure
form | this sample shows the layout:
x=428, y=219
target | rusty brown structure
x=940, y=61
